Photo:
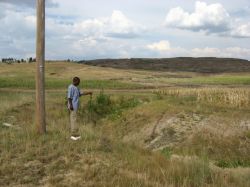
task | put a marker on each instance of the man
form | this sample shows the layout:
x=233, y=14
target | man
x=73, y=105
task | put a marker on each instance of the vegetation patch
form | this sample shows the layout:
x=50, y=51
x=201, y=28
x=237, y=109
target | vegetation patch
x=167, y=152
x=29, y=83
x=103, y=105
x=232, y=163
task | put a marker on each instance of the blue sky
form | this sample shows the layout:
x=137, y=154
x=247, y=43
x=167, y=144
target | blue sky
x=83, y=29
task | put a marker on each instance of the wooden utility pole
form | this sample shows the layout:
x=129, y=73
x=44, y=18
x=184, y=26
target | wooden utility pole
x=40, y=58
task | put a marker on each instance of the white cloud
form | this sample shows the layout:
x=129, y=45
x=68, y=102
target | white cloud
x=92, y=38
x=17, y=32
x=209, y=18
x=242, y=30
x=162, y=51
x=205, y=52
x=212, y=19
x=237, y=52
x=88, y=41
x=160, y=46
x=116, y=26
x=230, y=52
x=120, y=24
x=24, y=26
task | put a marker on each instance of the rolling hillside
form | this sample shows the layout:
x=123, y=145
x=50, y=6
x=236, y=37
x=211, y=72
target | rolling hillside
x=188, y=64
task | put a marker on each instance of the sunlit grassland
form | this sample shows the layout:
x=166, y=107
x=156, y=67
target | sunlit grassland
x=59, y=75
x=225, y=79
x=11, y=100
x=129, y=137
x=30, y=159
x=222, y=79
x=53, y=83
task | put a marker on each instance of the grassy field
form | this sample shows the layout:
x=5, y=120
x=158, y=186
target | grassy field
x=141, y=128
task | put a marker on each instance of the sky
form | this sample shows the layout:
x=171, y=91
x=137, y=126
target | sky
x=96, y=29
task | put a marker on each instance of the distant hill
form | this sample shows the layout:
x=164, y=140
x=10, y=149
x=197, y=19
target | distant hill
x=202, y=65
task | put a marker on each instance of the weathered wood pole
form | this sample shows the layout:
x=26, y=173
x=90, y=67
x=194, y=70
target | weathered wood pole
x=40, y=65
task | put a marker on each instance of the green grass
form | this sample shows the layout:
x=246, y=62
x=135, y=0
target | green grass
x=29, y=83
x=223, y=80
x=212, y=80
x=167, y=152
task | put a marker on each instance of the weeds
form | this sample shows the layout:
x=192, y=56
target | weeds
x=167, y=152
x=102, y=106
x=232, y=163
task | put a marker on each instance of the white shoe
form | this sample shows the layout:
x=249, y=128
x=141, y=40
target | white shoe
x=75, y=137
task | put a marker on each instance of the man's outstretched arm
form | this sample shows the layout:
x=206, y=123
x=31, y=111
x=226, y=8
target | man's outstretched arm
x=86, y=93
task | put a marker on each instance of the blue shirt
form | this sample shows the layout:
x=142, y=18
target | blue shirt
x=74, y=94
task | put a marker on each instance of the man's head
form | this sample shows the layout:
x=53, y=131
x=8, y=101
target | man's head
x=76, y=81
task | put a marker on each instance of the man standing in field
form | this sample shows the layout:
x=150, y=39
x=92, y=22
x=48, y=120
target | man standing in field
x=73, y=105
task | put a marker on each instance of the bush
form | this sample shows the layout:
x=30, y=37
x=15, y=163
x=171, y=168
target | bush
x=102, y=106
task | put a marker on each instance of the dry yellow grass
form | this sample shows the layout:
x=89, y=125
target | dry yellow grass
x=237, y=97
x=205, y=118
x=64, y=70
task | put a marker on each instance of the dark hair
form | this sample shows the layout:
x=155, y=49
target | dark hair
x=76, y=79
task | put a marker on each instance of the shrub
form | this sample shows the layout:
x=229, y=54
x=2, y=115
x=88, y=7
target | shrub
x=102, y=106
x=167, y=152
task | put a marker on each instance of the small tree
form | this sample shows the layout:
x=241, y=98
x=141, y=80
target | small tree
x=30, y=59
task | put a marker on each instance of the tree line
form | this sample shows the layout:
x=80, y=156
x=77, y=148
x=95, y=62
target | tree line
x=14, y=60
